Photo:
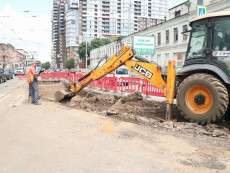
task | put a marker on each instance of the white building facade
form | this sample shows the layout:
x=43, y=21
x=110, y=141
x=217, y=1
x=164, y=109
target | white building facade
x=118, y=17
x=72, y=19
x=170, y=43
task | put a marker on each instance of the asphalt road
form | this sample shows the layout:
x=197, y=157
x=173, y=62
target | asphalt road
x=51, y=138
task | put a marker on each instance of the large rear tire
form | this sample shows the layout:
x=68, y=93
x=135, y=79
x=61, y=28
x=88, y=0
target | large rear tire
x=202, y=98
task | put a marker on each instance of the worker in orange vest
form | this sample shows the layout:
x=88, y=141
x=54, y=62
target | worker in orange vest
x=32, y=79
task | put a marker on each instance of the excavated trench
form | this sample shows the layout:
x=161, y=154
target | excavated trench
x=135, y=109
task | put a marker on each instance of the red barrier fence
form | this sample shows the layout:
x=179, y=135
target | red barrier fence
x=124, y=84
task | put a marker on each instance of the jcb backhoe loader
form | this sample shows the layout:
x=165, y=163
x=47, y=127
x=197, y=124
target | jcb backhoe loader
x=202, y=86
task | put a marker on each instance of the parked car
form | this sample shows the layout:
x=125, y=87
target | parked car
x=120, y=73
x=2, y=76
x=19, y=71
x=9, y=73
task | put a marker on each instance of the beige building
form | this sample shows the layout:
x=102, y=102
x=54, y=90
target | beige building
x=29, y=57
x=10, y=57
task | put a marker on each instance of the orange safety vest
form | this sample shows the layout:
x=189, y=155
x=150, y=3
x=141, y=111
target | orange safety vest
x=30, y=74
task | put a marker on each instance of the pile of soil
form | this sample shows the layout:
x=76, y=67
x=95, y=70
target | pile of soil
x=92, y=101
x=118, y=106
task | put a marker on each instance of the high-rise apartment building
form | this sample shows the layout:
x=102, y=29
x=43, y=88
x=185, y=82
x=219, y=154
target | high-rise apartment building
x=118, y=17
x=58, y=33
x=72, y=17
x=75, y=21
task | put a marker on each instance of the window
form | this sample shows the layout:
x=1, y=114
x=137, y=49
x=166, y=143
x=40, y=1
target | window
x=221, y=42
x=159, y=39
x=185, y=29
x=177, y=13
x=222, y=35
x=198, y=40
x=167, y=36
x=175, y=30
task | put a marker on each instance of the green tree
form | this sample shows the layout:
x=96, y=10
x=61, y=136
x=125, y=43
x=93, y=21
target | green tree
x=46, y=65
x=82, y=49
x=70, y=63
x=98, y=42
x=10, y=45
x=95, y=43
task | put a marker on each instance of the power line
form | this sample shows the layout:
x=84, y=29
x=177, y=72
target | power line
x=17, y=36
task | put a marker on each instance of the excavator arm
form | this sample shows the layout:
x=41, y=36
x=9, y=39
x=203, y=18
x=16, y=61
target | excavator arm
x=146, y=70
x=111, y=64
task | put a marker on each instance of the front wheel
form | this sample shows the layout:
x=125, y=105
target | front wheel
x=202, y=98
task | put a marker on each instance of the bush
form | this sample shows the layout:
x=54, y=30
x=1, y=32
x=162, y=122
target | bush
x=70, y=64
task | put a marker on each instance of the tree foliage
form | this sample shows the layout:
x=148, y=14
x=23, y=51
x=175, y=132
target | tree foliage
x=82, y=49
x=70, y=64
x=95, y=43
x=46, y=65
x=10, y=45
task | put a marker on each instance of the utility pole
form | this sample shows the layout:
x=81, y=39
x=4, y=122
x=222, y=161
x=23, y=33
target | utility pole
x=86, y=53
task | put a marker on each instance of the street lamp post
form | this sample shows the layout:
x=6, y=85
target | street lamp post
x=86, y=49
x=86, y=54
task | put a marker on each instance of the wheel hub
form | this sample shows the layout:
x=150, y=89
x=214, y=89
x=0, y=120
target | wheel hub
x=199, y=99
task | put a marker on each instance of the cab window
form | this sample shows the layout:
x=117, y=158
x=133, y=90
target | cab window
x=198, y=40
x=222, y=35
x=221, y=43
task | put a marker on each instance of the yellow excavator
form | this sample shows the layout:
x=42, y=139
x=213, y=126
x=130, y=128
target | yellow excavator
x=201, y=87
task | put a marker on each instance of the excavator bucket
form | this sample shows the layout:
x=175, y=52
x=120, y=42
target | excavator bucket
x=65, y=94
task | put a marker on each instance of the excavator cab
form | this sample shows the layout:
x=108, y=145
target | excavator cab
x=203, y=91
x=210, y=42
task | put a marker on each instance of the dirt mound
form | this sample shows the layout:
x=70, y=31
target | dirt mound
x=92, y=101
x=135, y=106
x=113, y=105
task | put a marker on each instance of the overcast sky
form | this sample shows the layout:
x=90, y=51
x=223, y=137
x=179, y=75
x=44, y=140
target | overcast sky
x=27, y=24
